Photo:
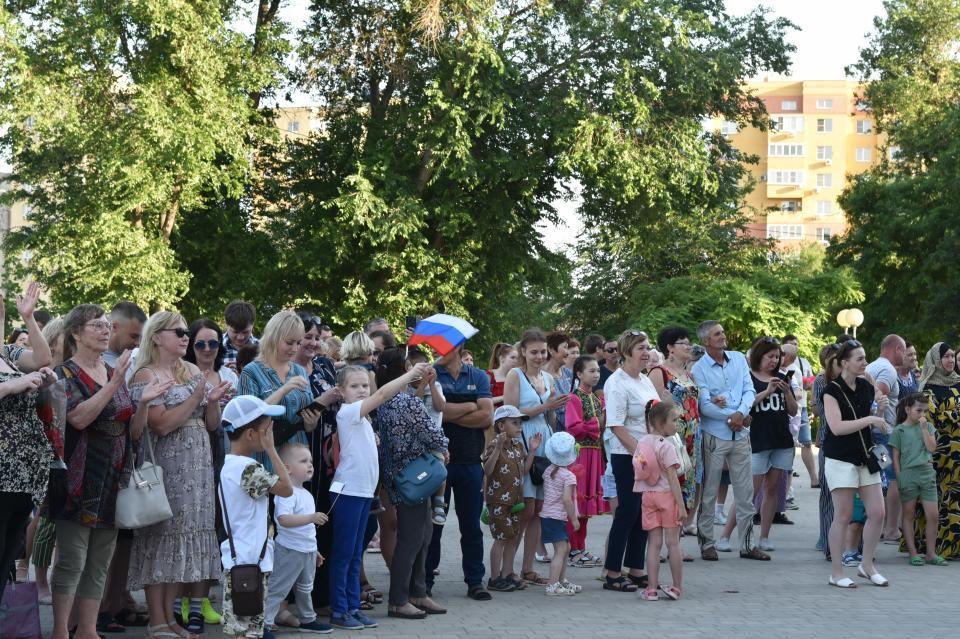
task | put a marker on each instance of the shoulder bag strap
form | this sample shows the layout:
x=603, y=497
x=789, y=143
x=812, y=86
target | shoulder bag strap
x=532, y=387
x=226, y=524
x=850, y=404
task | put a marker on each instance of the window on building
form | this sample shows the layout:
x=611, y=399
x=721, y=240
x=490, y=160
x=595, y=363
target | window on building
x=825, y=103
x=789, y=206
x=823, y=234
x=824, y=180
x=864, y=154
x=789, y=105
x=824, y=152
x=864, y=126
x=785, y=150
x=788, y=123
x=293, y=126
x=824, y=208
x=893, y=153
x=785, y=177
x=728, y=128
x=785, y=231
x=824, y=125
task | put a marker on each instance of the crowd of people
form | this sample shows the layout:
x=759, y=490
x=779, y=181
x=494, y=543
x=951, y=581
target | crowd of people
x=281, y=457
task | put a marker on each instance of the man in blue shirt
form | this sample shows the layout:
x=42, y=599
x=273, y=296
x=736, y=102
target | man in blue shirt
x=467, y=414
x=726, y=397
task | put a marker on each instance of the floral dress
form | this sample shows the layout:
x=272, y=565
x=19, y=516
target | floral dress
x=25, y=452
x=686, y=395
x=944, y=415
x=182, y=549
x=96, y=456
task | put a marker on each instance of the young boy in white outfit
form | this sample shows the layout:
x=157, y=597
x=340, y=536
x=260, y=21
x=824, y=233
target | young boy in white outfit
x=295, y=557
x=246, y=486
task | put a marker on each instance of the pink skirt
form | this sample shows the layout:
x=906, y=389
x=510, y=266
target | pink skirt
x=588, y=468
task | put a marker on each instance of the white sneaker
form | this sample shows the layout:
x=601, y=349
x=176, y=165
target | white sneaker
x=719, y=517
x=569, y=586
x=765, y=545
x=558, y=590
x=723, y=545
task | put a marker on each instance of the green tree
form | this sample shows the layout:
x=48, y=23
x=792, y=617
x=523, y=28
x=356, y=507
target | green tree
x=121, y=116
x=451, y=127
x=903, y=220
x=796, y=293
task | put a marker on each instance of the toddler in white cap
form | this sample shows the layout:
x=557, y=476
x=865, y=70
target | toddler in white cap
x=559, y=506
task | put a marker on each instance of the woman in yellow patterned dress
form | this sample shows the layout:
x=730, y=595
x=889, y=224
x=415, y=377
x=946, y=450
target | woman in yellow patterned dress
x=942, y=384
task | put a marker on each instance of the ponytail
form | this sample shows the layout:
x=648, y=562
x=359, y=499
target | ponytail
x=658, y=411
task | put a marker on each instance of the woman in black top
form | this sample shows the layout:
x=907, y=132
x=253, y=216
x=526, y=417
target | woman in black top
x=770, y=439
x=847, y=442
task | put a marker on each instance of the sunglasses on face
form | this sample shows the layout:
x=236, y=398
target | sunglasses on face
x=770, y=340
x=610, y=350
x=637, y=334
x=202, y=345
x=179, y=332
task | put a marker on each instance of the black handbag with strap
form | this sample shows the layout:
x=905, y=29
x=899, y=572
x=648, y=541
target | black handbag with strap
x=246, y=580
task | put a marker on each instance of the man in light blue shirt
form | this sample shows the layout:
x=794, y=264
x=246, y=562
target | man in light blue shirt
x=726, y=397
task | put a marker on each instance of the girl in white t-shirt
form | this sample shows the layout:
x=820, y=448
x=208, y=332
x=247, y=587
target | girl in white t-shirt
x=353, y=487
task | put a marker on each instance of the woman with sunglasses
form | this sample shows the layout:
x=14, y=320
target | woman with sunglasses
x=848, y=467
x=180, y=555
x=205, y=349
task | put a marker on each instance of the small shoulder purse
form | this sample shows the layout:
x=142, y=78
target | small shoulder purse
x=246, y=580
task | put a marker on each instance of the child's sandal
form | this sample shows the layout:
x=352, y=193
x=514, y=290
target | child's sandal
x=672, y=592
x=937, y=561
x=650, y=594
x=916, y=561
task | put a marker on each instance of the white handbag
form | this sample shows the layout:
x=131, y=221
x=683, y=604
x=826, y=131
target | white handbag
x=143, y=502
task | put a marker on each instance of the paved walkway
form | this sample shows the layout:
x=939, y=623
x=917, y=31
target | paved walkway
x=786, y=597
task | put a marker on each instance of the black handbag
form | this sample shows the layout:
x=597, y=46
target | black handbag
x=539, y=465
x=246, y=580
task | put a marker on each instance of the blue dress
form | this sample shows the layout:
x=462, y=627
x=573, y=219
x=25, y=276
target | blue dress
x=529, y=398
x=261, y=380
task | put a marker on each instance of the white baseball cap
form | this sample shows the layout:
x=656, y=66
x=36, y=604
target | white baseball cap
x=508, y=412
x=244, y=409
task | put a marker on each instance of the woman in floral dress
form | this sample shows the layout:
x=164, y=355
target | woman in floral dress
x=179, y=555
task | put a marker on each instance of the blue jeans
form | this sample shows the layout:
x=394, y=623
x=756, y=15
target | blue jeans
x=349, y=519
x=465, y=481
x=627, y=542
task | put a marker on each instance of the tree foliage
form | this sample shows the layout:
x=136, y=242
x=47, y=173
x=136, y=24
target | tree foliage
x=448, y=130
x=794, y=293
x=121, y=117
x=903, y=219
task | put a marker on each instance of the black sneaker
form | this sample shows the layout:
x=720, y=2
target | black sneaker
x=501, y=585
x=781, y=518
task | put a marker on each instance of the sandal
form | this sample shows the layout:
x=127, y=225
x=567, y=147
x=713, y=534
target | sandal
x=398, y=612
x=106, y=623
x=620, y=584
x=478, y=593
x=578, y=559
x=649, y=595
x=641, y=581
x=672, y=592
x=156, y=632
x=592, y=559
x=843, y=582
x=131, y=617
x=365, y=605
x=533, y=578
x=432, y=608
x=937, y=561
x=917, y=561
x=371, y=594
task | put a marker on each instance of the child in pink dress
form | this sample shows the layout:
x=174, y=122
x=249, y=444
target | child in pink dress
x=583, y=415
x=655, y=465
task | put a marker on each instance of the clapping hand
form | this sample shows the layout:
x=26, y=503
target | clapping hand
x=154, y=390
x=120, y=370
x=217, y=392
x=556, y=401
x=298, y=382
x=535, y=441
x=49, y=377
x=27, y=301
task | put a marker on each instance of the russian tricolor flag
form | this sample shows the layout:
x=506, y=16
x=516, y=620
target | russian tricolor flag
x=443, y=332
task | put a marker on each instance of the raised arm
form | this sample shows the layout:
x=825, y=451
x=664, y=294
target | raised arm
x=391, y=389
x=38, y=355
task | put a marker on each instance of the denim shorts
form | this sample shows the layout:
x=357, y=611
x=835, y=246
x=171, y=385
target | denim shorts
x=553, y=530
x=805, y=435
x=609, y=485
x=764, y=460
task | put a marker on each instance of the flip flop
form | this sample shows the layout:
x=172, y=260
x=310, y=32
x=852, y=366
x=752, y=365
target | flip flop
x=843, y=582
x=937, y=561
x=916, y=561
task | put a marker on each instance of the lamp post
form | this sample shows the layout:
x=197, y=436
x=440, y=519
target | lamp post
x=850, y=318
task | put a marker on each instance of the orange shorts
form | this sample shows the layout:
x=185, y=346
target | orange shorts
x=660, y=510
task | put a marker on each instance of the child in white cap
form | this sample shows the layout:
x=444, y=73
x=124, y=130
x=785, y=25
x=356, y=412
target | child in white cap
x=245, y=487
x=559, y=506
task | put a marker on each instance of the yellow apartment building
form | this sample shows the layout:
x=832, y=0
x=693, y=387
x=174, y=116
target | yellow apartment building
x=821, y=135
x=295, y=122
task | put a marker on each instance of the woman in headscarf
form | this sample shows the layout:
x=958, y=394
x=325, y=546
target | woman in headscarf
x=940, y=381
